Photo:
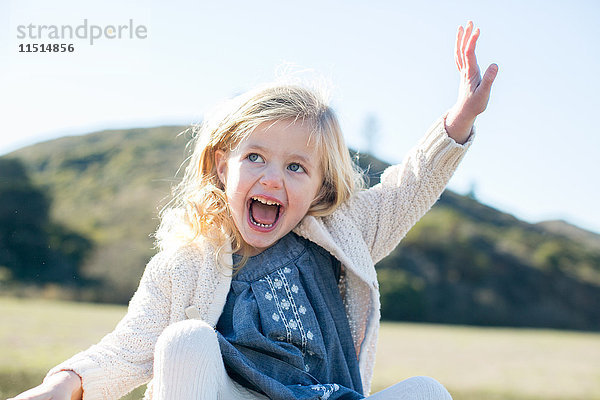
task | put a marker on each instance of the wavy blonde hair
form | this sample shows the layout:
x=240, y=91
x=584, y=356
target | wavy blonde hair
x=199, y=207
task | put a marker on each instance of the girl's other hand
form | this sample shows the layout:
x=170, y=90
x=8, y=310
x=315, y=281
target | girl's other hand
x=473, y=92
x=64, y=385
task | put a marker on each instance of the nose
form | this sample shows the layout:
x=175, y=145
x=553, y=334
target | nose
x=272, y=178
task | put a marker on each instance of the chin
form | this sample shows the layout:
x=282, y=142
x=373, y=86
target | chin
x=259, y=246
x=258, y=242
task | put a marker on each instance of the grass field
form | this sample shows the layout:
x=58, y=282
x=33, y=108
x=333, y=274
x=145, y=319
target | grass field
x=473, y=363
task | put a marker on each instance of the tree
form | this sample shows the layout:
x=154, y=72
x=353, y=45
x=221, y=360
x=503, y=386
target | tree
x=33, y=248
x=370, y=133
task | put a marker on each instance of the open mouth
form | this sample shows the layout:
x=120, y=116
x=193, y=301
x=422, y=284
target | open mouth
x=263, y=213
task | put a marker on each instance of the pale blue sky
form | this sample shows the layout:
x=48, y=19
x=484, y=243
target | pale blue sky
x=537, y=147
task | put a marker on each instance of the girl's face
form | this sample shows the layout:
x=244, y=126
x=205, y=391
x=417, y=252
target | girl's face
x=270, y=180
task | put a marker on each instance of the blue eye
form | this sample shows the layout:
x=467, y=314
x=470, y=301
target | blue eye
x=295, y=167
x=255, y=158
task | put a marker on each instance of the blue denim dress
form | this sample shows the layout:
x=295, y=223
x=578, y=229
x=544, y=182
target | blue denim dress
x=284, y=331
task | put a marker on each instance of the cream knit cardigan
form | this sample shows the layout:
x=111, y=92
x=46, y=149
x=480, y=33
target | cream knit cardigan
x=359, y=233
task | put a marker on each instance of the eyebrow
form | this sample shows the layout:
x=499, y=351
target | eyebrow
x=299, y=156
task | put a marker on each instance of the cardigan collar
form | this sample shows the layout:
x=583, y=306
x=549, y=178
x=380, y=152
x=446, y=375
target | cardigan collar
x=313, y=229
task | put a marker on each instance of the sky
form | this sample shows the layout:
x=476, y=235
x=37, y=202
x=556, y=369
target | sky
x=537, y=148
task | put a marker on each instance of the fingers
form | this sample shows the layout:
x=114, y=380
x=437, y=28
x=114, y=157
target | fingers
x=488, y=77
x=471, y=59
x=485, y=87
x=463, y=44
x=464, y=48
x=467, y=35
x=457, y=44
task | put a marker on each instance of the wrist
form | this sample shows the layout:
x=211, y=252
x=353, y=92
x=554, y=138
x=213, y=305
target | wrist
x=458, y=125
x=71, y=380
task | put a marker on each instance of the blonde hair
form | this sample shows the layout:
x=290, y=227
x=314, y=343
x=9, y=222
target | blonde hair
x=199, y=206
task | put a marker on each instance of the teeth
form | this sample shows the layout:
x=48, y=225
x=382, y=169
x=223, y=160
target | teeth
x=267, y=202
x=262, y=225
x=259, y=224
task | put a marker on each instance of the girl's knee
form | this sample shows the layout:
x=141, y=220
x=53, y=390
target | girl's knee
x=187, y=362
x=415, y=388
x=189, y=335
x=429, y=388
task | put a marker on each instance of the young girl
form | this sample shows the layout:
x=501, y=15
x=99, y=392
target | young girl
x=265, y=285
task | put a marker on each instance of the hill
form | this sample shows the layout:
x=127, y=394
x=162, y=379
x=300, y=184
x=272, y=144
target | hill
x=464, y=262
x=563, y=228
x=109, y=186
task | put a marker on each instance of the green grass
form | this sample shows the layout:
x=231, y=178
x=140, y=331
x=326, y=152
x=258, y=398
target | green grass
x=35, y=335
x=492, y=363
x=473, y=363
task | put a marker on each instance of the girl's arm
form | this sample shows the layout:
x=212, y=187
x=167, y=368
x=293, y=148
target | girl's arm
x=386, y=212
x=123, y=359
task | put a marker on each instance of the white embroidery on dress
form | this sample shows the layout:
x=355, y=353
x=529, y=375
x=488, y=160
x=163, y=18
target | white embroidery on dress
x=293, y=323
x=298, y=324
x=327, y=389
x=288, y=331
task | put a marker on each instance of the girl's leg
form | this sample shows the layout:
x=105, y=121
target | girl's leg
x=416, y=388
x=188, y=365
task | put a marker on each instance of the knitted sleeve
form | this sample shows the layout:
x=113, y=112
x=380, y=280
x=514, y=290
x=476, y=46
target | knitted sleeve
x=123, y=359
x=387, y=211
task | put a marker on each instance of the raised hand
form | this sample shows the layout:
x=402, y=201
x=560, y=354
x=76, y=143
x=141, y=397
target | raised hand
x=473, y=92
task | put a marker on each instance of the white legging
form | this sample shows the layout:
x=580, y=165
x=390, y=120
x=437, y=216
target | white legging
x=188, y=365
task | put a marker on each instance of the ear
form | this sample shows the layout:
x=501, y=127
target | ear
x=221, y=165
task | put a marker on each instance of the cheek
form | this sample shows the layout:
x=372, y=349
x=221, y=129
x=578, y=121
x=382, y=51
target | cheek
x=306, y=197
x=317, y=185
x=239, y=183
x=234, y=178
